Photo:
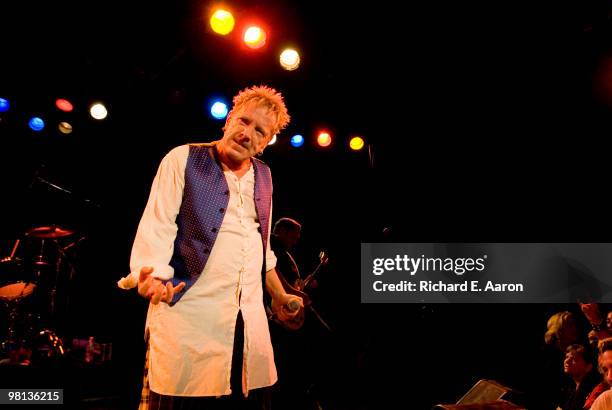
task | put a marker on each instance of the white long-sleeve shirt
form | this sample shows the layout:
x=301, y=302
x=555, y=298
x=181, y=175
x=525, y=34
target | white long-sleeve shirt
x=603, y=402
x=191, y=342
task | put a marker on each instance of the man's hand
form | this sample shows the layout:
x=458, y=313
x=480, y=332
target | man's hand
x=313, y=284
x=152, y=288
x=283, y=301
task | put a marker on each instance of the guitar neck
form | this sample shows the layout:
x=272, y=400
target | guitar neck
x=309, y=277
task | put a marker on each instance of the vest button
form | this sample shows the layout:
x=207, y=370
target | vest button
x=213, y=230
x=222, y=210
x=226, y=192
x=206, y=250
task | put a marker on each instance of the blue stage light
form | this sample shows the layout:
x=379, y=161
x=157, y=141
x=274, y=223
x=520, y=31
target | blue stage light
x=297, y=141
x=4, y=105
x=219, y=110
x=36, y=124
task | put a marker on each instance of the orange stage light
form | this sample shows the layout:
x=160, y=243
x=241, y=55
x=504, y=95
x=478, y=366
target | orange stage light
x=254, y=37
x=324, y=139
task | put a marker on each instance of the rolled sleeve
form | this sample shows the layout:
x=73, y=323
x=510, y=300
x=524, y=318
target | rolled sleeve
x=154, y=242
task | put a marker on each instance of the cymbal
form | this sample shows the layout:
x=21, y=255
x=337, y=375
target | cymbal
x=49, y=232
x=8, y=261
x=9, y=266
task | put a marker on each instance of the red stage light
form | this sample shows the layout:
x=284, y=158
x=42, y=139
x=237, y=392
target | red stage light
x=63, y=105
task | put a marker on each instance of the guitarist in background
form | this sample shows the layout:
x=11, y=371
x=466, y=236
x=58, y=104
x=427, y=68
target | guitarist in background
x=295, y=350
x=286, y=235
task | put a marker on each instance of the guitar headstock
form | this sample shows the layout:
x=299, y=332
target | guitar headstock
x=323, y=258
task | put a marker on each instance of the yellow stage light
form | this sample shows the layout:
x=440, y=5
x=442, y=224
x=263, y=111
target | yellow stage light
x=222, y=22
x=356, y=143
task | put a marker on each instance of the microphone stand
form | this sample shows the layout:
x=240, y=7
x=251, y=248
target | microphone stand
x=66, y=191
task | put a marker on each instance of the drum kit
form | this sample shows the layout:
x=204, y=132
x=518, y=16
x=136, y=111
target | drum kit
x=34, y=282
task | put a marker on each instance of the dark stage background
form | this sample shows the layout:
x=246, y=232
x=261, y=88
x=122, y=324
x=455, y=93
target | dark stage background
x=487, y=122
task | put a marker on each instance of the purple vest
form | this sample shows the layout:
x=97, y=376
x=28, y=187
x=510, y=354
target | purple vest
x=205, y=199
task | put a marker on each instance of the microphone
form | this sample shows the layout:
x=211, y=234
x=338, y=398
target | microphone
x=292, y=306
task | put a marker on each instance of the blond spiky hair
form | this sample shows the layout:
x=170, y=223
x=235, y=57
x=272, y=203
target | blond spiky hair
x=267, y=97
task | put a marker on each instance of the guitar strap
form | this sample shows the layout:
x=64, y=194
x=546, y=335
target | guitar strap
x=295, y=266
x=318, y=316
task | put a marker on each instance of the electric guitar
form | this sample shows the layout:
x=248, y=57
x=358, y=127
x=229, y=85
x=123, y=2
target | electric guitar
x=298, y=320
x=323, y=260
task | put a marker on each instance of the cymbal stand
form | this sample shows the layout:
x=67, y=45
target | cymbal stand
x=53, y=341
x=47, y=334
